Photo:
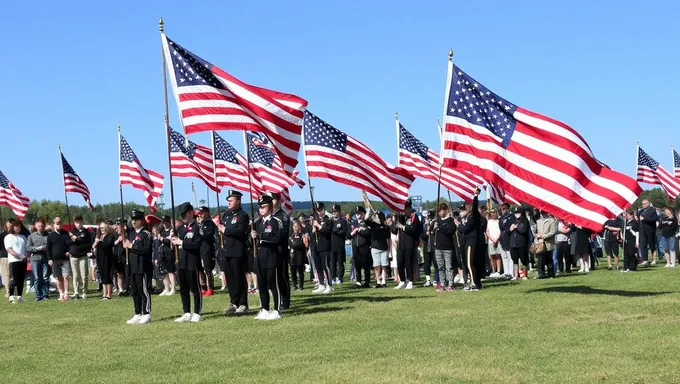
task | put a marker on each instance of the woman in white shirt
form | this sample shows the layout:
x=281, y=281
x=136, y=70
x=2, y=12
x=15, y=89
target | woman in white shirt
x=493, y=234
x=15, y=243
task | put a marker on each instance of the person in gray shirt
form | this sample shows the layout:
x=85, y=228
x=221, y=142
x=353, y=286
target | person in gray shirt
x=36, y=245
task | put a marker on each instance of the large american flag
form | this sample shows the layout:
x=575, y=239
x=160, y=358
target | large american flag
x=230, y=166
x=12, y=197
x=536, y=159
x=417, y=158
x=210, y=99
x=651, y=172
x=332, y=154
x=188, y=159
x=499, y=196
x=676, y=164
x=133, y=173
x=73, y=182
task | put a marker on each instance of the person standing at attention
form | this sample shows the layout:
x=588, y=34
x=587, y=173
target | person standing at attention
x=140, y=260
x=409, y=238
x=58, y=242
x=669, y=227
x=81, y=245
x=266, y=236
x=189, y=241
x=36, y=245
x=15, y=244
x=648, y=220
x=234, y=227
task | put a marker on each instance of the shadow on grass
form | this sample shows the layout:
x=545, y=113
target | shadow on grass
x=583, y=290
x=345, y=298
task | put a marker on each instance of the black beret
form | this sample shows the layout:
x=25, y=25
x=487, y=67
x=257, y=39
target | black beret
x=462, y=207
x=184, y=207
x=234, y=193
x=136, y=215
x=360, y=209
x=167, y=218
x=205, y=209
x=319, y=205
x=264, y=200
x=336, y=208
x=518, y=209
x=275, y=195
x=119, y=221
x=78, y=218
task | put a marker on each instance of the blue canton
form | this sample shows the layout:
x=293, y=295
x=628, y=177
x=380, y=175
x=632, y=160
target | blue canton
x=318, y=132
x=4, y=183
x=409, y=143
x=191, y=69
x=67, y=167
x=223, y=150
x=676, y=160
x=646, y=161
x=126, y=153
x=260, y=154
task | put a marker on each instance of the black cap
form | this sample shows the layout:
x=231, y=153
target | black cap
x=205, y=209
x=319, y=205
x=462, y=207
x=518, y=209
x=136, y=215
x=409, y=204
x=78, y=218
x=360, y=209
x=119, y=221
x=336, y=208
x=234, y=193
x=264, y=200
x=166, y=218
x=275, y=195
x=184, y=207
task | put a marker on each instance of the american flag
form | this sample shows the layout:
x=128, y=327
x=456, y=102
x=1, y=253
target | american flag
x=651, y=172
x=676, y=164
x=188, y=159
x=12, y=197
x=499, y=196
x=133, y=173
x=536, y=159
x=332, y=154
x=73, y=182
x=230, y=166
x=417, y=158
x=210, y=99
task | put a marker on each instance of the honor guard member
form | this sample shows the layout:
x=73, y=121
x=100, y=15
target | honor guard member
x=632, y=231
x=321, y=225
x=167, y=255
x=189, y=241
x=267, y=233
x=338, y=254
x=235, y=228
x=469, y=231
x=140, y=249
x=411, y=228
x=284, y=260
x=362, y=237
x=208, y=230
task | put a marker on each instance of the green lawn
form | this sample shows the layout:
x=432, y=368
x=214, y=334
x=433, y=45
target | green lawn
x=604, y=327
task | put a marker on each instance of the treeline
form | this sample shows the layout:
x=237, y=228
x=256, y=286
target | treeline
x=50, y=208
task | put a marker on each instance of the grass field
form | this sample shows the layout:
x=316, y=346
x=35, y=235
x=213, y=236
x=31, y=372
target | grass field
x=604, y=327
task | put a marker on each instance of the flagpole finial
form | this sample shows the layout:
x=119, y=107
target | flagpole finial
x=118, y=128
x=451, y=54
x=396, y=115
x=438, y=122
x=161, y=25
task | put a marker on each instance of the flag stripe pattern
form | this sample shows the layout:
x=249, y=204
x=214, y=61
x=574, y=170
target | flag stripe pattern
x=230, y=166
x=210, y=99
x=499, y=196
x=133, y=173
x=188, y=159
x=334, y=155
x=12, y=197
x=538, y=160
x=651, y=172
x=417, y=158
x=676, y=164
x=73, y=182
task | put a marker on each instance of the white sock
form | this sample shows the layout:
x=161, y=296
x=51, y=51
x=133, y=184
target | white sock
x=427, y=278
x=672, y=256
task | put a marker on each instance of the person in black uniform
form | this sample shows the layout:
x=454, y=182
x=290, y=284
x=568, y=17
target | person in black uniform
x=322, y=235
x=103, y=244
x=139, y=246
x=469, y=231
x=338, y=254
x=189, y=240
x=283, y=268
x=363, y=259
x=167, y=256
x=410, y=229
x=208, y=229
x=267, y=233
x=630, y=236
x=612, y=231
x=519, y=243
x=647, y=235
x=235, y=226
x=298, y=242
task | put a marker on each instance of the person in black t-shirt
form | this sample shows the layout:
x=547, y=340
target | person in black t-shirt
x=630, y=236
x=668, y=225
x=612, y=233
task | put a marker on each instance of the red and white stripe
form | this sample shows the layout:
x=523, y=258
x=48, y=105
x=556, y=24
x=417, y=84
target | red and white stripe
x=499, y=196
x=669, y=183
x=201, y=166
x=232, y=175
x=73, y=183
x=134, y=174
x=14, y=198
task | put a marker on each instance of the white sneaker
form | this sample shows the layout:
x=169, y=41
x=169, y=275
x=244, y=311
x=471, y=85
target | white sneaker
x=581, y=270
x=326, y=291
x=409, y=285
x=172, y=292
x=644, y=263
x=401, y=285
x=164, y=293
x=672, y=266
x=223, y=289
x=653, y=263
x=135, y=319
x=427, y=284
x=319, y=289
x=184, y=318
x=262, y=315
x=495, y=275
x=146, y=319
x=456, y=280
x=195, y=318
x=11, y=299
x=273, y=315
x=83, y=296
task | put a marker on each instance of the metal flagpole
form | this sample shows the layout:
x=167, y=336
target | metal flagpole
x=396, y=117
x=250, y=187
x=311, y=189
x=193, y=190
x=207, y=196
x=673, y=158
x=217, y=189
x=120, y=185
x=68, y=214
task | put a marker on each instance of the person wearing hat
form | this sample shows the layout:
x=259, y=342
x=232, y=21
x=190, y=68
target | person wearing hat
x=338, y=254
x=410, y=227
x=284, y=258
x=208, y=230
x=506, y=219
x=235, y=227
x=267, y=233
x=81, y=245
x=519, y=242
x=189, y=241
x=321, y=226
x=166, y=260
x=469, y=230
x=362, y=238
x=141, y=265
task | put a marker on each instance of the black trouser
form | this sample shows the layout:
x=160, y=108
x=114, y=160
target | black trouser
x=564, y=256
x=338, y=259
x=429, y=261
x=236, y=280
x=520, y=254
x=140, y=294
x=17, y=277
x=629, y=256
x=473, y=264
x=283, y=278
x=647, y=243
x=363, y=260
x=545, y=260
x=189, y=282
x=298, y=272
x=267, y=281
x=321, y=264
x=405, y=264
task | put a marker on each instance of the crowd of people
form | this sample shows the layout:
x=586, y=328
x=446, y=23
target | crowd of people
x=448, y=246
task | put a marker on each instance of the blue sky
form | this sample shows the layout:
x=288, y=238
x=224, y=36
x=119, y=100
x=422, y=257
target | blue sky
x=74, y=70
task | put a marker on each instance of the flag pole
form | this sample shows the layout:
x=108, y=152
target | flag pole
x=310, y=186
x=217, y=189
x=396, y=118
x=120, y=185
x=68, y=214
x=193, y=190
x=250, y=187
x=673, y=158
x=637, y=157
